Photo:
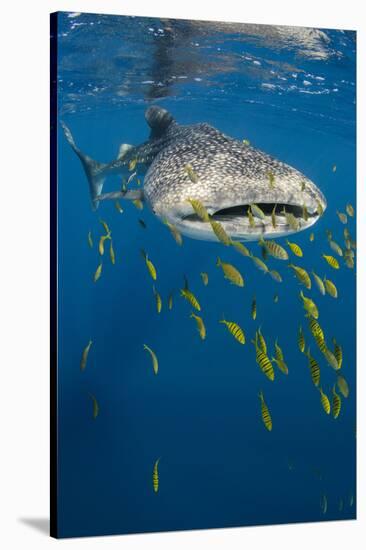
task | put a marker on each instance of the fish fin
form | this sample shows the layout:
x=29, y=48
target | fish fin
x=94, y=170
x=159, y=120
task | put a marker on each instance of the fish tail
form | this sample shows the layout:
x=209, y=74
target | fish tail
x=94, y=170
x=218, y=262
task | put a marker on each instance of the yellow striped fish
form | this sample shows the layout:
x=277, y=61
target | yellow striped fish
x=281, y=365
x=274, y=249
x=275, y=276
x=291, y=220
x=234, y=330
x=200, y=325
x=102, y=239
x=342, y=217
x=319, y=283
x=150, y=266
x=242, y=249
x=112, y=254
x=191, y=173
x=262, y=342
x=278, y=351
x=331, y=360
x=273, y=217
x=295, y=248
x=331, y=260
x=338, y=353
x=220, y=232
x=316, y=330
x=324, y=401
x=259, y=264
x=155, y=476
x=153, y=358
x=301, y=274
x=158, y=300
x=257, y=212
x=199, y=209
x=350, y=210
x=105, y=226
x=330, y=288
x=343, y=386
x=84, y=356
x=266, y=417
x=314, y=369
x=191, y=298
x=336, y=403
x=174, y=232
x=264, y=363
x=98, y=272
x=309, y=306
x=90, y=239
x=230, y=273
x=204, y=277
x=254, y=308
x=301, y=340
x=95, y=405
x=132, y=164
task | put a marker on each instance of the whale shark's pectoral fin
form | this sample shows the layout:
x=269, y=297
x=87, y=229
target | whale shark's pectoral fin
x=131, y=195
x=95, y=171
x=159, y=120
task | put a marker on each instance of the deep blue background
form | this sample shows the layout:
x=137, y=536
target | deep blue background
x=219, y=466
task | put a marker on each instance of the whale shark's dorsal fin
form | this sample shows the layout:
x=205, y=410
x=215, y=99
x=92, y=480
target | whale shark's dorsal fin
x=159, y=120
x=123, y=150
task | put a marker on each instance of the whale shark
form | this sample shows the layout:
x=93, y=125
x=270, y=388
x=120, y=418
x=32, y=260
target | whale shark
x=230, y=176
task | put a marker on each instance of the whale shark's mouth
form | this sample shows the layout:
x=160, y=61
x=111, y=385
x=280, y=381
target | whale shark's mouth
x=241, y=211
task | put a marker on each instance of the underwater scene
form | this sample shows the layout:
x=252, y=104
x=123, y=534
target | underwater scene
x=206, y=238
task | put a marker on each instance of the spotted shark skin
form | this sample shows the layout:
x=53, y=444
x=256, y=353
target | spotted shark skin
x=231, y=176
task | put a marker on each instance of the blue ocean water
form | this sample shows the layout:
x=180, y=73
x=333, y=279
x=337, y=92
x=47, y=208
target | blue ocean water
x=291, y=92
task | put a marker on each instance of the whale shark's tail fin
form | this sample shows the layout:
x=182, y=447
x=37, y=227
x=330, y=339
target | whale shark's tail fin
x=94, y=170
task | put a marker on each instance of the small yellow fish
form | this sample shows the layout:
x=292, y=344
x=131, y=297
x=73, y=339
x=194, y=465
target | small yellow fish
x=199, y=209
x=295, y=248
x=324, y=401
x=191, y=173
x=336, y=403
x=242, y=249
x=112, y=253
x=259, y=264
x=220, y=232
x=200, y=325
x=319, y=209
x=98, y=272
x=343, y=386
x=257, y=212
x=102, y=239
x=204, y=277
x=331, y=359
x=90, y=240
x=246, y=142
x=301, y=340
x=158, y=300
x=275, y=298
x=254, y=308
x=330, y=288
x=335, y=247
x=150, y=266
x=281, y=365
x=314, y=369
x=84, y=356
x=271, y=180
x=338, y=353
x=118, y=207
x=331, y=260
x=170, y=302
x=301, y=274
x=350, y=210
x=174, y=232
x=266, y=416
x=334, y=167
x=311, y=237
x=190, y=297
x=262, y=342
x=319, y=283
x=105, y=226
x=95, y=406
x=305, y=213
x=275, y=276
x=235, y=330
x=274, y=249
x=342, y=217
x=291, y=220
x=155, y=476
x=138, y=204
x=309, y=306
x=273, y=217
x=264, y=362
x=153, y=358
x=230, y=273
x=250, y=217
x=132, y=164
